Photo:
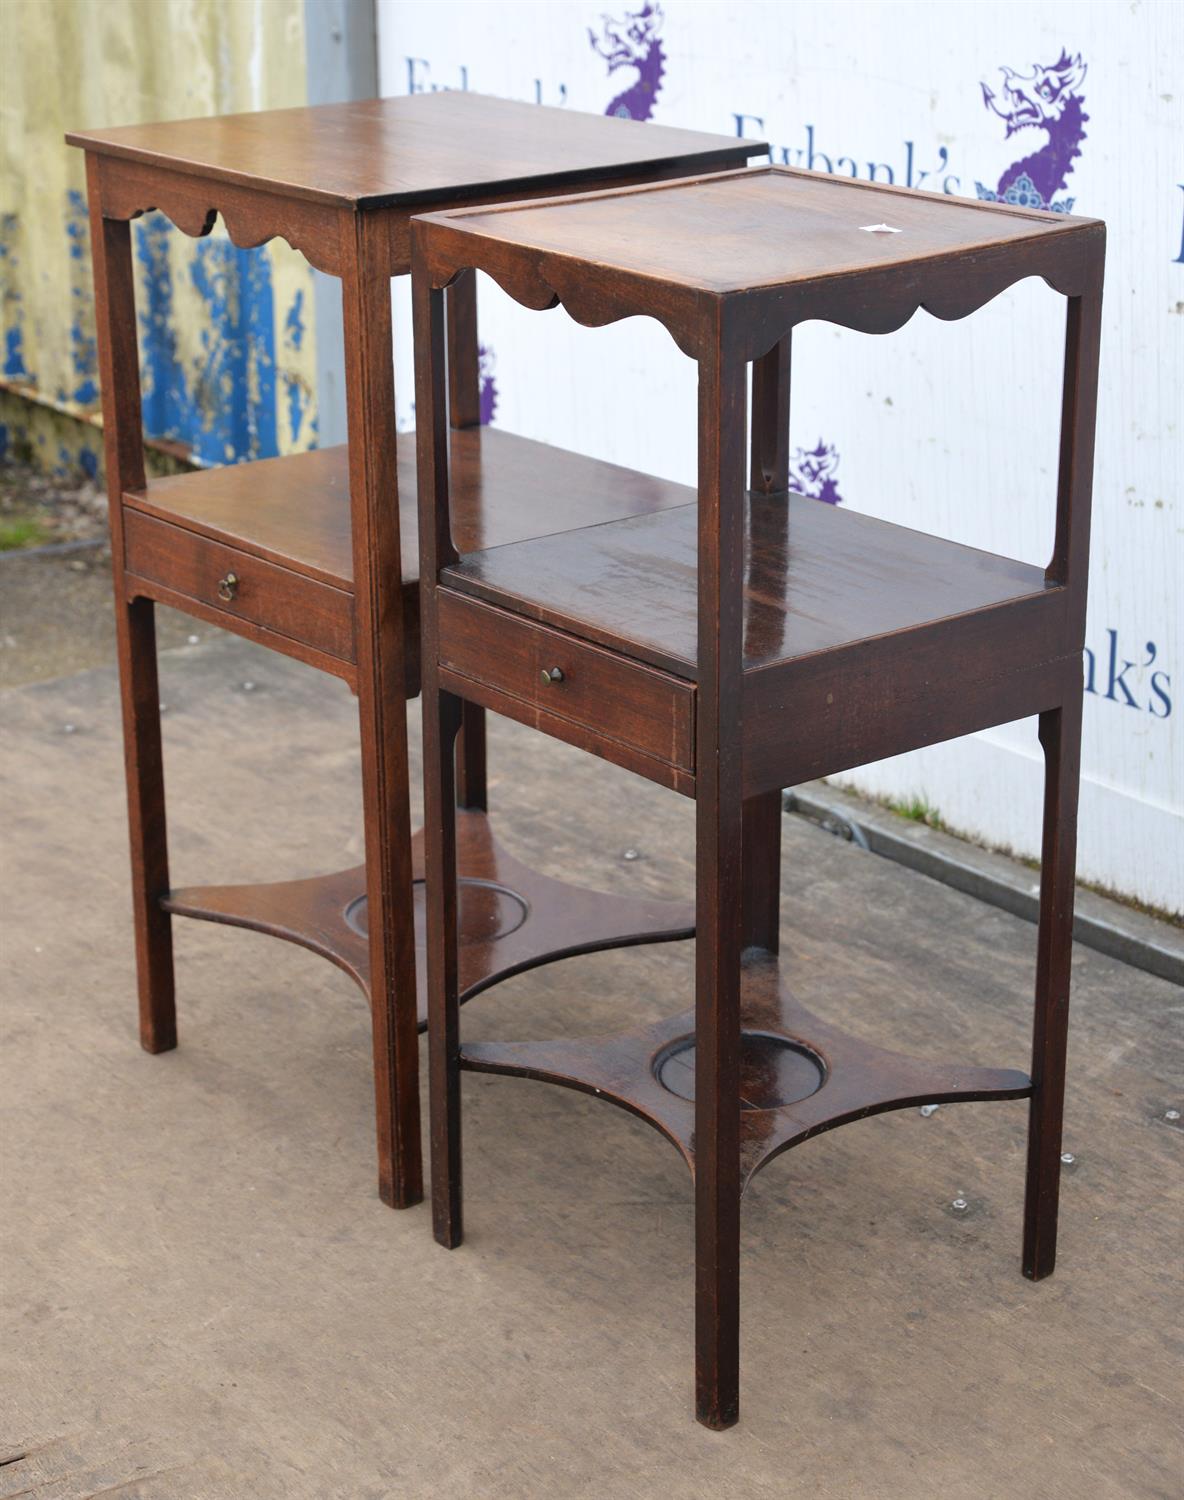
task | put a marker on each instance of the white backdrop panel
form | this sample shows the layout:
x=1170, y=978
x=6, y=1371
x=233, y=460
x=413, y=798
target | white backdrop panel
x=947, y=428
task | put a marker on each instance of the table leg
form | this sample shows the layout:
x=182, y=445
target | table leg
x=382, y=712
x=464, y=408
x=1060, y=735
x=769, y=454
x=135, y=633
x=471, y=786
x=717, y=1111
x=442, y=715
x=720, y=881
x=768, y=475
x=442, y=719
x=135, y=626
x=761, y=896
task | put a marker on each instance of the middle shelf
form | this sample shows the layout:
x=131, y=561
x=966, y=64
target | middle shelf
x=817, y=577
x=281, y=527
x=593, y=633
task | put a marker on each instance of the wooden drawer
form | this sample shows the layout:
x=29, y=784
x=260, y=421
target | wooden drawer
x=630, y=713
x=264, y=594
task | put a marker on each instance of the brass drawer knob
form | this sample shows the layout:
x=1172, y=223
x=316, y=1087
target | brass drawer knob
x=552, y=674
x=228, y=587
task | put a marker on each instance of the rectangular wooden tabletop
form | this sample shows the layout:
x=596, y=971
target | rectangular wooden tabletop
x=769, y=226
x=422, y=149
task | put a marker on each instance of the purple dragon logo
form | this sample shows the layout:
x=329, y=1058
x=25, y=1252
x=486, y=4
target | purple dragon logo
x=1048, y=99
x=486, y=372
x=633, y=43
x=812, y=473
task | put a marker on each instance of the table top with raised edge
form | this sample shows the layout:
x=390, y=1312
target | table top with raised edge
x=763, y=227
x=419, y=149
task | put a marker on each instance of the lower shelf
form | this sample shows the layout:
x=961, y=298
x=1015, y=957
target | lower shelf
x=511, y=917
x=799, y=1075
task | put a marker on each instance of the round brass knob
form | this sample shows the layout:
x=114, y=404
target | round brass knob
x=228, y=587
x=552, y=674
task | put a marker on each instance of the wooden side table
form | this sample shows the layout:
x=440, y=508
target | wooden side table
x=748, y=642
x=307, y=554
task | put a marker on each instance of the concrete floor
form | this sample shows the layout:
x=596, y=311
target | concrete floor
x=203, y=1297
x=56, y=616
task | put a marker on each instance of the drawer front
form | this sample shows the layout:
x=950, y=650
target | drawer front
x=239, y=585
x=557, y=674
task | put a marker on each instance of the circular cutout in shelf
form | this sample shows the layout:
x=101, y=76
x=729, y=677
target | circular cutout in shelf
x=774, y=1071
x=487, y=912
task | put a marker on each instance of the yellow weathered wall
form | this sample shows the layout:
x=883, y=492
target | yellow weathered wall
x=88, y=63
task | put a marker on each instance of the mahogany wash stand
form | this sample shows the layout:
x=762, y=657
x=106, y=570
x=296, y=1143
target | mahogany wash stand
x=745, y=643
x=316, y=556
